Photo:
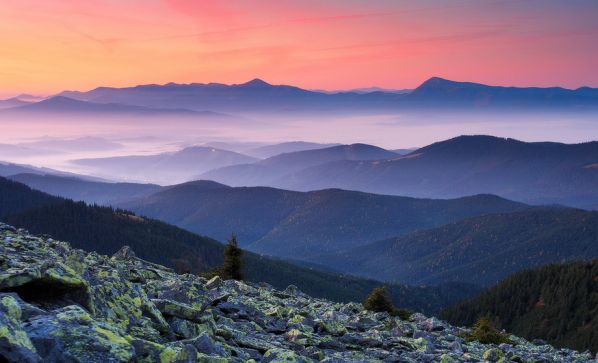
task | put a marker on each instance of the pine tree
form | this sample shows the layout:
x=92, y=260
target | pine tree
x=233, y=264
x=378, y=300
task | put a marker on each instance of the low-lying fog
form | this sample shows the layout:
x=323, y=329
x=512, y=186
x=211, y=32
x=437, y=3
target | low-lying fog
x=55, y=142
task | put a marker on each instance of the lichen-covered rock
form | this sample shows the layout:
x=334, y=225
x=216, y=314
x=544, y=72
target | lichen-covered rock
x=493, y=355
x=59, y=304
x=15, y=345
x=70, y=334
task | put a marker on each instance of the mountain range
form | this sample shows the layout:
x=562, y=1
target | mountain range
x=274, y=170
x=260, y=96
x=531, y=172
x=106, y=230
x=475, y=240
x=437, y=92
x=255, y=95
x=297, y=225
x=63, y=106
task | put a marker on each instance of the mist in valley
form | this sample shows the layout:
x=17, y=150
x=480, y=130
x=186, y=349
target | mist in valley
x=57, y=141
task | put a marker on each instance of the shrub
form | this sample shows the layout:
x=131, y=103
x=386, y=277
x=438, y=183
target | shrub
x=404, y=314
x=484, y=332
x=378, y=300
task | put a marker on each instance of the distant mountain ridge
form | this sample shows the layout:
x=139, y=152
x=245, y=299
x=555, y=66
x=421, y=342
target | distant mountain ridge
x=536, y=172
x=439, y=92
x=269, y=171
x=66, y=105
x=12, y=102
x=257, y=95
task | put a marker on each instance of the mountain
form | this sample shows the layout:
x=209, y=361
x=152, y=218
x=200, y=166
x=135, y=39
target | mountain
x=8, y=169
x=268, y=151
x=275, y=170
x=298, y=225
x=85, y=190
x=12, y=102
x=534, y=172
x=255, y=95
x=557, y=303
x=166, y=168
x=66, y=105
x=480, y=250
x=106, y=230
x=260, y=96
x=442, y=93
x=60, y=304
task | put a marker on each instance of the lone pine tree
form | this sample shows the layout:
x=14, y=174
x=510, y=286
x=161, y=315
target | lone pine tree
x=233, y=263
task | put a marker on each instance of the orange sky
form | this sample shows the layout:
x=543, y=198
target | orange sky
x=50, y=45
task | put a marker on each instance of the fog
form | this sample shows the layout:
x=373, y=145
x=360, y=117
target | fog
x=24, y=138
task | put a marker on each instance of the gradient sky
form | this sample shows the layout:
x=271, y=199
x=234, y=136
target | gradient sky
x=50, y=45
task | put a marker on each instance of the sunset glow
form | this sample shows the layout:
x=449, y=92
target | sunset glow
x=52, y=45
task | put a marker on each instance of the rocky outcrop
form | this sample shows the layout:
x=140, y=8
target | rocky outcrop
x=59, y=304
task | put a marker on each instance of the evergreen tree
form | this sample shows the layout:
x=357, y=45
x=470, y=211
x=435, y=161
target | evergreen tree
x=379, y=300
x=233, y=264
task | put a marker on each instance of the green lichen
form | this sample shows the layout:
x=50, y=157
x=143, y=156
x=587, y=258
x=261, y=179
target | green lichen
x=168, y=355
x=11, y=307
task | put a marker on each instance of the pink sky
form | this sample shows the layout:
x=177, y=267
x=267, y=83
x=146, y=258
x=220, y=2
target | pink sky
x=50, y=45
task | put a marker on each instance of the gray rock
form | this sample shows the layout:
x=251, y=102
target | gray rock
x=214, y=282
x=125, y=253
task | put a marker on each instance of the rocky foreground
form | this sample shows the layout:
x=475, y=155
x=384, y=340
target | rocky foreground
x=59, y=304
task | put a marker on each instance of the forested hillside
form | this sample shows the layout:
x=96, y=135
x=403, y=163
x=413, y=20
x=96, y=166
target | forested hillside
x=106, y=230
x=557, y=303
x=298, y=225
x=16, y=197
x=480, y=250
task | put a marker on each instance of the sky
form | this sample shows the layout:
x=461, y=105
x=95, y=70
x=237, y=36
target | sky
x=47, y=46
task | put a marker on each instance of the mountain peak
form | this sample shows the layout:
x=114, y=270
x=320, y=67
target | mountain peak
x=437, y=82
x=256, y=82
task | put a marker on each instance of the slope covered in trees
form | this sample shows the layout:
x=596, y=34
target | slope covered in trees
x=106, y=230
x=16, y=197
x=480, y=250
x=296, y=225
x=557, y=303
